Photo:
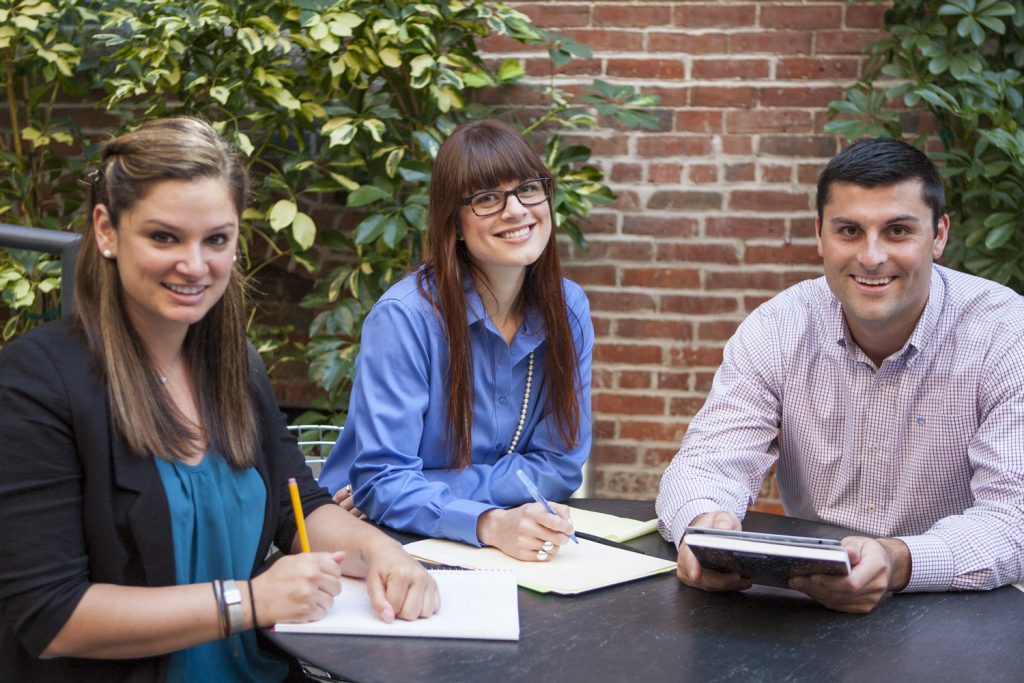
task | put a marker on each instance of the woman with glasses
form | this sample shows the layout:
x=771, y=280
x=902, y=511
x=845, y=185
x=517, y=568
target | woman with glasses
x=475, y=367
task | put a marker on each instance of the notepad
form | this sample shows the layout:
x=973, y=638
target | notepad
x=611, y=527
x=574, y=569
x=479, y=605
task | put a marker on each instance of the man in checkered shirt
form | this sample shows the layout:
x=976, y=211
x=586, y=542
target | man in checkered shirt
x=890, y=392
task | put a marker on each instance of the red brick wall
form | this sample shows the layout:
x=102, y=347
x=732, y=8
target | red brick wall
x=715, y=210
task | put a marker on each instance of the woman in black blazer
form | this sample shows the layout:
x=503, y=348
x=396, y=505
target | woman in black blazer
x=144, y=465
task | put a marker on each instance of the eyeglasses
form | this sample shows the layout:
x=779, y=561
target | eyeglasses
x=490, y=202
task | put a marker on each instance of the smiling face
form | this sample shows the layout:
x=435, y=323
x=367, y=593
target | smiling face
x=174, y=251
x=505, y=243
x=878, y=246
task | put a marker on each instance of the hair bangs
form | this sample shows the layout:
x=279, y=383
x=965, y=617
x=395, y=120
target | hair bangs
x=491, y=157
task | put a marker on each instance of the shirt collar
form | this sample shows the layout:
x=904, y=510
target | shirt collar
x=839, y=331
x=530, y=335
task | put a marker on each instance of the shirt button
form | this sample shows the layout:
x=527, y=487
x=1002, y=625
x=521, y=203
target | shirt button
x=502, y=400
x=871, y=508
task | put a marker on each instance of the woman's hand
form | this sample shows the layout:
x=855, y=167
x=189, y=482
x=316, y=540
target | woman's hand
x=528, y=532
x=297, y=588
x=343, y=497
x=398, y=584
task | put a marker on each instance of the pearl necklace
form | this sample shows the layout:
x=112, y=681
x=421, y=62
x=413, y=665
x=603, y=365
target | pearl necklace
x=526, y=404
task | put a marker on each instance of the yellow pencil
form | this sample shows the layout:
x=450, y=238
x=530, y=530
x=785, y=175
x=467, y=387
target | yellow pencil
x=300, y=520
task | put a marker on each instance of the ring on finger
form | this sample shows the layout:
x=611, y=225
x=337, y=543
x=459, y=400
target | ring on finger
x=542, y=555
x=547, y=546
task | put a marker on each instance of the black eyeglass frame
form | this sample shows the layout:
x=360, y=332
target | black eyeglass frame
x=544, y=182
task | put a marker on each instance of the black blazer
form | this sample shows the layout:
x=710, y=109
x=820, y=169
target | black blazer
x=77, y=507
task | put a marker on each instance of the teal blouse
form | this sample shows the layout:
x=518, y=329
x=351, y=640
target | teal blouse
x=216, y=515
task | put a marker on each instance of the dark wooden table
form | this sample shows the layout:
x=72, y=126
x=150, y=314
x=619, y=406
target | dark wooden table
x=659, y=630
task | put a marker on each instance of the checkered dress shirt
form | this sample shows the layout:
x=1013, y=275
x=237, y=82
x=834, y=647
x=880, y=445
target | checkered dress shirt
x=928, y=448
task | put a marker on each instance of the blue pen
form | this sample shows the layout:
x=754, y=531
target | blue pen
x=537, y=496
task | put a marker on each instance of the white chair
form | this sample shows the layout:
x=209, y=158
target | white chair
x=316, y=442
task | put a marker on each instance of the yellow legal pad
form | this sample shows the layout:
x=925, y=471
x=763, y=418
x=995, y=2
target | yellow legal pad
x=574, y=569
x=610, y=527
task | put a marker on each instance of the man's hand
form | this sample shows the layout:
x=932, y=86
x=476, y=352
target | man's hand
x=877, y=567
x=689, y=570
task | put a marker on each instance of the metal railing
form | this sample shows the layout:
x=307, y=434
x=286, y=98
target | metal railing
x=51, y=242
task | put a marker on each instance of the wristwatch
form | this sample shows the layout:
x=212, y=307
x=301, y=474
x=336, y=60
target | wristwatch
x=232, y=597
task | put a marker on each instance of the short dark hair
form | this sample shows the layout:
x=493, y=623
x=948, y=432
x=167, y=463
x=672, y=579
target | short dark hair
x=880, y=162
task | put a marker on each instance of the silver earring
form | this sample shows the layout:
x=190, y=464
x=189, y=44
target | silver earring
x=234, y=259
x=107, y=254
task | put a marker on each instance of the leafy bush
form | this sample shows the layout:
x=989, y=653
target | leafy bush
x=961, y=61
x=41, y=162
x=341, y=106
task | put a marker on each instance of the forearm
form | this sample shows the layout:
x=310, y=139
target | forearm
x=330, y=528
x=557, y=475
x=122, y=622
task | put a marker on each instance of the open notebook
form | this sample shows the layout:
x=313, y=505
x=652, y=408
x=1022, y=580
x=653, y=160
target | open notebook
x=575, y=569
x=478, y=605
x=611, y=527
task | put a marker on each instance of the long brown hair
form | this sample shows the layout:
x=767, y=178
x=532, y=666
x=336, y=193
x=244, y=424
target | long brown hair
x=479, y=155
x=180, y=148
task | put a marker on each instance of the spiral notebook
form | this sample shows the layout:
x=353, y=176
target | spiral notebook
x=480, y=605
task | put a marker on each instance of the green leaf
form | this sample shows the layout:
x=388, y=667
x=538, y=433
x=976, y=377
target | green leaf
x=511, y=70
x=390, y=57
x=997, y=219
x=426, y=142
x=342, y=23
x=367, y=194
x=391, y=164
x=304, y=230
x=394, y=230
x=420, y=64
x=344, y=181
x=370, y=228
x=250, y=40
x=282, y=214
x=1000, y=236
x=220, y=93
x=376, y=129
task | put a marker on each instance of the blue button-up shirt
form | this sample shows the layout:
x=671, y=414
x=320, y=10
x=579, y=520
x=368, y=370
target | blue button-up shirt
x=393, y=446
